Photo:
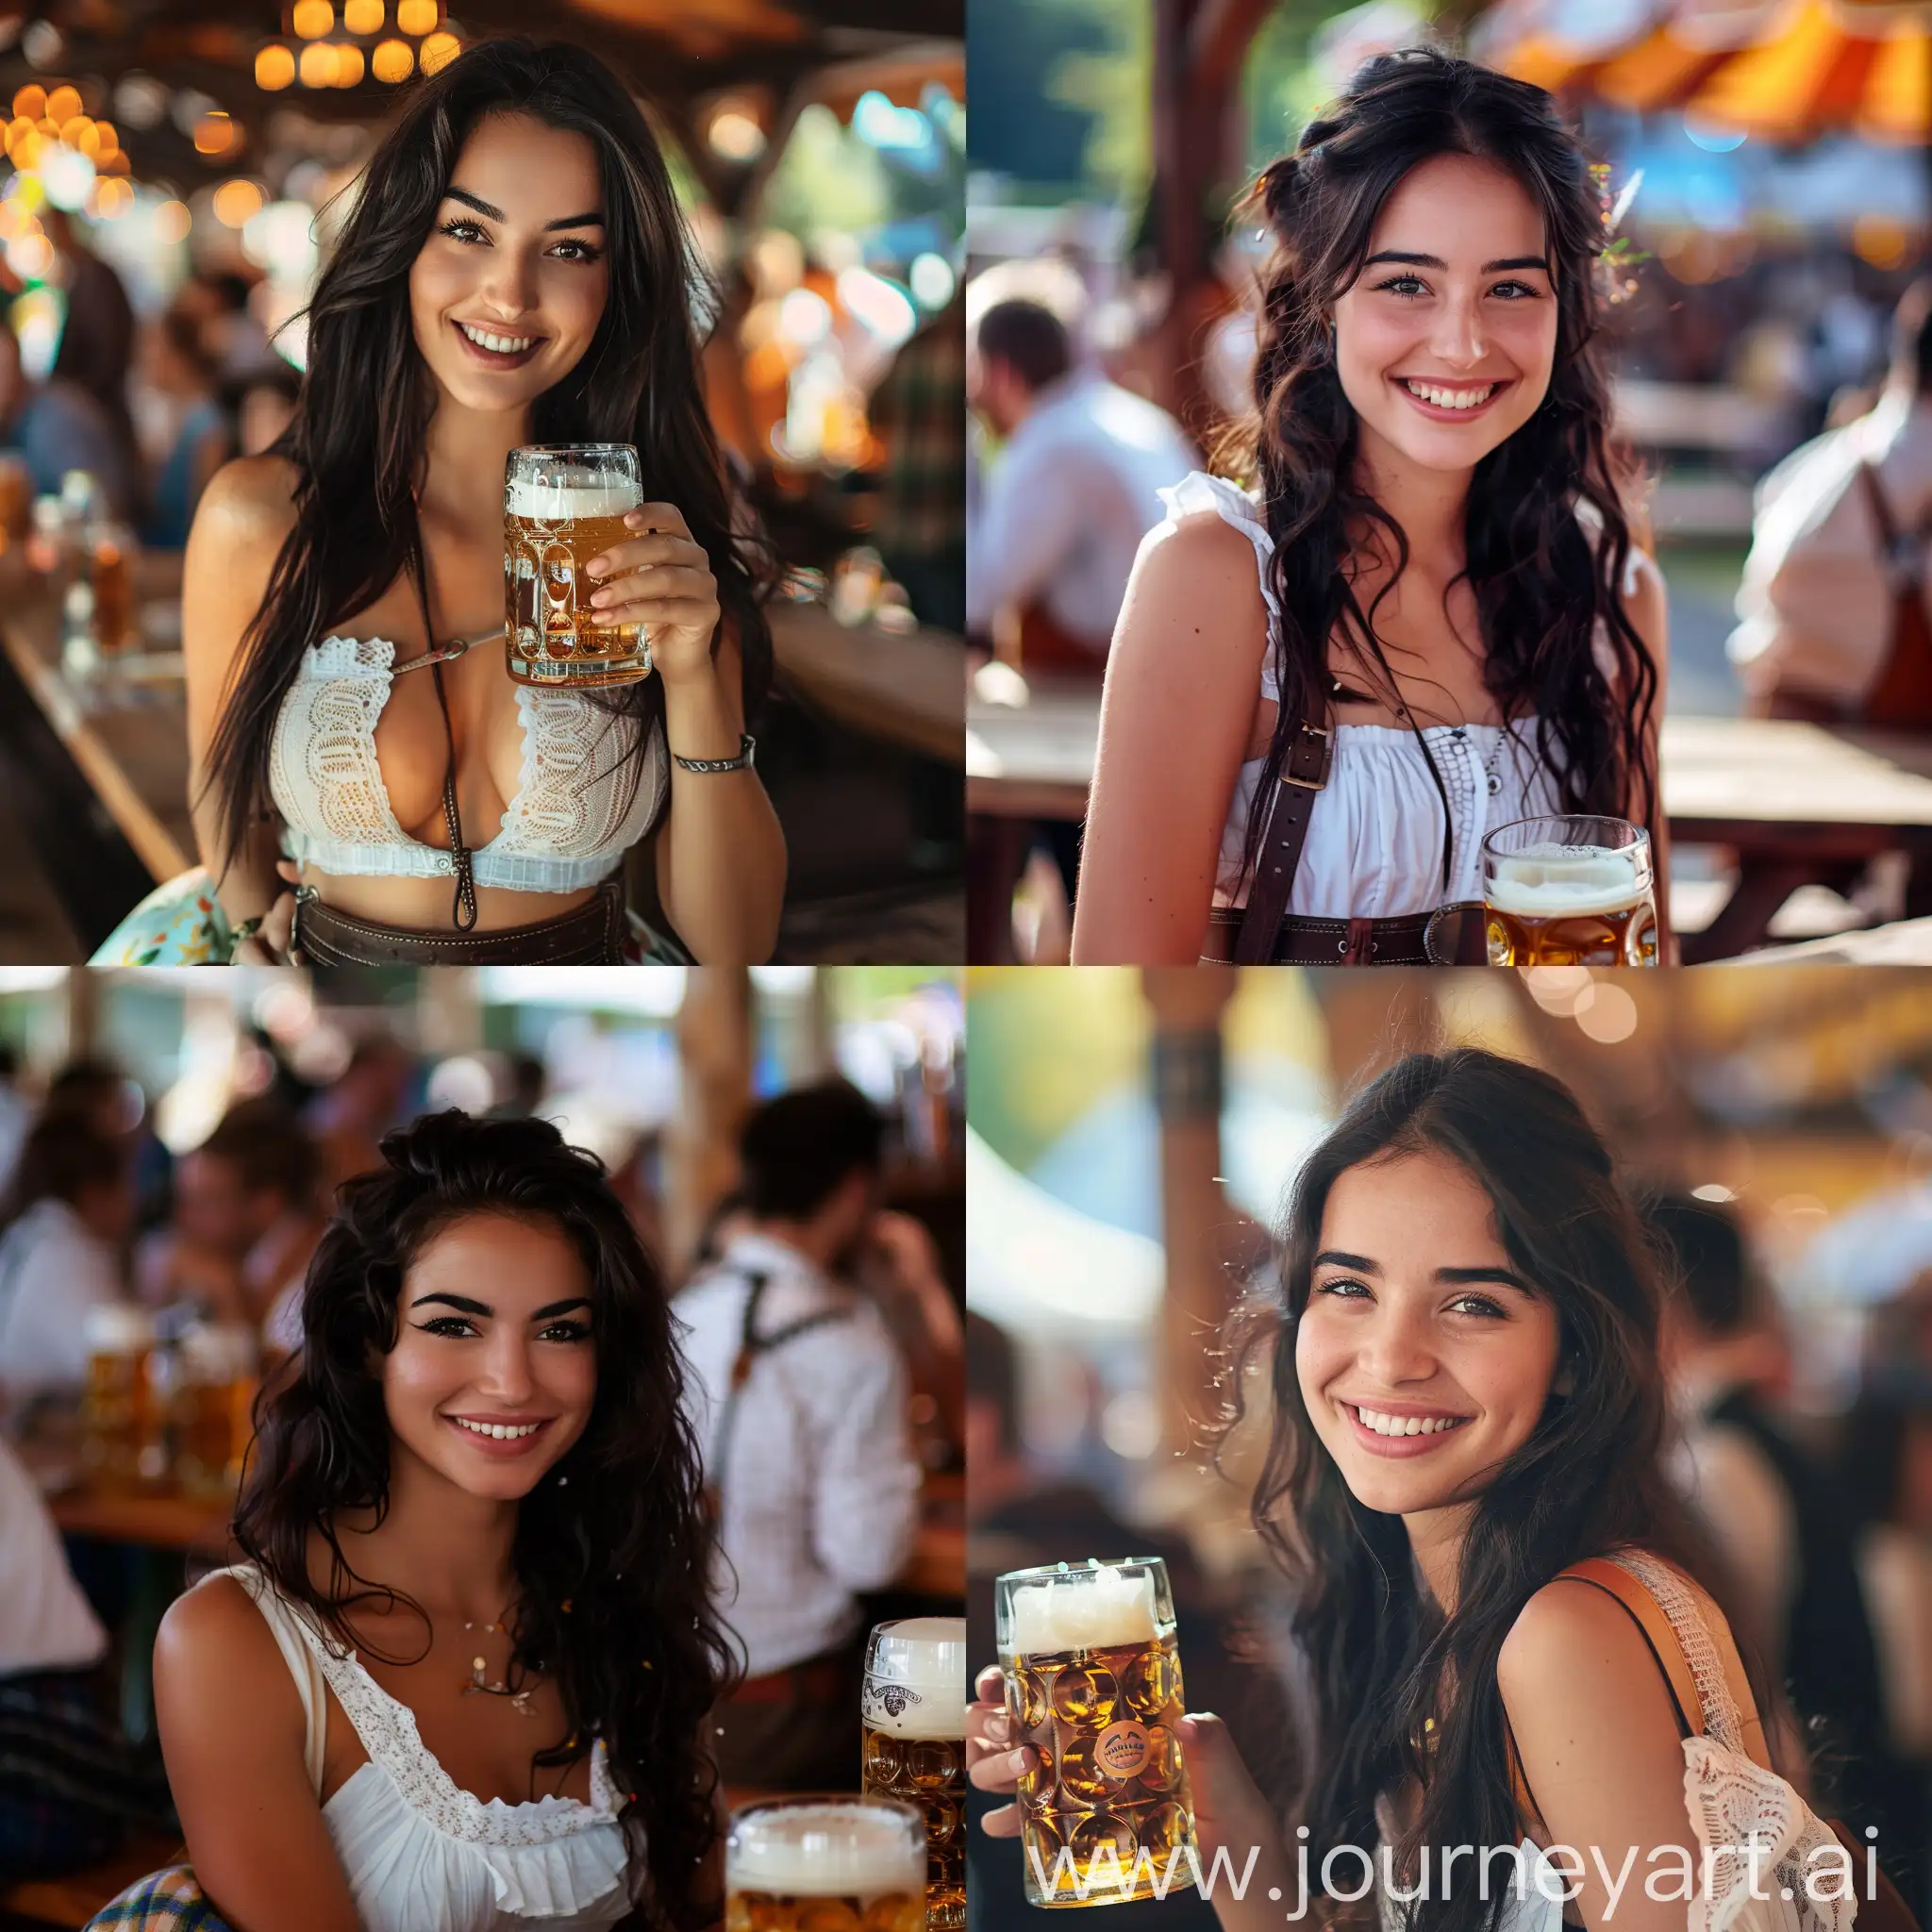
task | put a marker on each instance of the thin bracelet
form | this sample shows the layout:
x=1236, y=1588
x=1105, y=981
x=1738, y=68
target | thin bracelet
x=743, y=762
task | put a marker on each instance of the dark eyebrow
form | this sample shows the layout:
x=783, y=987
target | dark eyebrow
x=454, y=1301
x=1490, y=268
x=495, y=214
x=544, y=1314
x=1331, y=1258
x=1458, y=1277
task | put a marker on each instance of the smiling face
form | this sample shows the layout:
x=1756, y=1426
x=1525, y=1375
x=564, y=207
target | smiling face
x=1445, y=341
x=494, y=1372
x=1424, y=1357
x=507, y=292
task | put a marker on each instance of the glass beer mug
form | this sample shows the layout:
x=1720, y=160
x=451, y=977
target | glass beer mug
x=825, y=1865
x=1570, y=891
x=564, y=504
x=1094, y=1683
x=913, y=1716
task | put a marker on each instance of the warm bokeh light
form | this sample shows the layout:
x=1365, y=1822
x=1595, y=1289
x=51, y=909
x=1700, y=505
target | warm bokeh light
x=115, y=163
x=318, y=68
x=30, y=103
x=363, y=16
x=24, y=144
x=83, y=136
x=735, y=133
x=112, y=199
x=350, y=64
x=236, y=202
x=110, y=140
x=416, y=16
x=63, y=103
x=214, y=133
x=313, y=17
x=32, y=256
x=439, y=50
x=275, y=68
x=173, y=220
x=392, y=61
x=1882, y=240
x=1606, y=1013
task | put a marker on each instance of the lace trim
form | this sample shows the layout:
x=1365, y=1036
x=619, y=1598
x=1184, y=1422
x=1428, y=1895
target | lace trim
x=388, y=1730
x=1720, y=1717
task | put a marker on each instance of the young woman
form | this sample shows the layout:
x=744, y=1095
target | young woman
x=366, y=787
x=1467, y=1400
x=1431, y=593
x=459, y=1681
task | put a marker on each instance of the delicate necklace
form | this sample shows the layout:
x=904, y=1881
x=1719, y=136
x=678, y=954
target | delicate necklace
x=478, y=1678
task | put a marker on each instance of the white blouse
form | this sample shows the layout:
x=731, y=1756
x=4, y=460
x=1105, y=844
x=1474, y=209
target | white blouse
x=1375, y=840
x=422, y=1854
x=568, y=825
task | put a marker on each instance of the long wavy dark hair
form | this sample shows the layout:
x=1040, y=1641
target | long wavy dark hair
x=358, y=437
x=1377, y=1657
x=625, y=1545
x=1547, y=540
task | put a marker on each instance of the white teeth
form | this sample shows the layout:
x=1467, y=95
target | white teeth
x=1451, y=398
x=1408, y=1424
x=502, y=1432
x=503, y=345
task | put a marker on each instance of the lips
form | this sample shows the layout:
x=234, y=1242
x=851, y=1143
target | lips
x=1450, y=402
x=478, y=340
x=1389, y=1433
x=499, y=1435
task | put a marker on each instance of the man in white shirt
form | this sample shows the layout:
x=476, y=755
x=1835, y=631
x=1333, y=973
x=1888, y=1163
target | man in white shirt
x=799, y=1400
x=1816, y=603
x=1060, y=513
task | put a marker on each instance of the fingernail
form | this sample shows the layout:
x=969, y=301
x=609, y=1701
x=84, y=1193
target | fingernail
x=1016, y=1762
x=633, y=517
x=596, y=568
x=601, y=597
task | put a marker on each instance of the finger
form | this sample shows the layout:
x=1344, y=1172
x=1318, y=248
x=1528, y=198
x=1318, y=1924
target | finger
x=990, y=1687
x=682, y=614
x=275, y=929
x=1002, y=1771
x=290, y=870
x=659, y=580
x=989, y=1730
x=1004, y=1822
x=657, y=516
x=662, y=548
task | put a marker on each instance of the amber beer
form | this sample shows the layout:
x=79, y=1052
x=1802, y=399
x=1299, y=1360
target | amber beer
x=825, y=1865
x=564, y=504
x=1093, y=1684
x=912, y=1723
x=1570, y=891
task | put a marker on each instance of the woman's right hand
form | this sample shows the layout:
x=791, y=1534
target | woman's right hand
x=994, y=1759
x=268, y=945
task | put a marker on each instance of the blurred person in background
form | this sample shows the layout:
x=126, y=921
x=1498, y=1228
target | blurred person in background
x=222, y=307
x=247, y=1216
x=1782, y=1524
x=65, y=1217
x=70, y=1782
x=264, y=407
x=16, y=1112
x=96, y=349
x=349, y=1117
x=198, y=440
x=56, y=427
x=799, y=1399
x=1832, y=614
x=1886, y=1471
x=920, y=526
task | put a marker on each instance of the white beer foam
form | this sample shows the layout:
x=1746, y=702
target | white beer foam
x=926, y=1656
x=1563, y=881
x=556, y=502
x=826, y=1851
x=1086, y=1610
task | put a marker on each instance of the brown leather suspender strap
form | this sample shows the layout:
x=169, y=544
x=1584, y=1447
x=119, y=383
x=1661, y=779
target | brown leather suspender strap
x=463, y=914
x=1303, y=771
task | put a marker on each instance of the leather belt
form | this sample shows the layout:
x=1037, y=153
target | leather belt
x=1452, y=935
x=587, y=935
x=817, y=1682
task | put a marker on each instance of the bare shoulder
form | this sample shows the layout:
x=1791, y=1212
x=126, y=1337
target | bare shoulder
x=214, y=1647
x=249, y=500
x=1195, y=582
x=1198, y=548
x=1566, y=1626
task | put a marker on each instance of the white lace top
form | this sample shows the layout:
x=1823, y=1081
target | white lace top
x=565, y=830
x=420, y=1854
x=1727, y=1797
x=1374, y=838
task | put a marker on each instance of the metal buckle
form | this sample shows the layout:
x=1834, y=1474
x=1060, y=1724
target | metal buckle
x=1315, y=784
x=1443, y=935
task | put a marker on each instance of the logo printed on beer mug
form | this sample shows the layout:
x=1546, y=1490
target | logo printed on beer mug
x=1121, y=1750
x=893, y=1699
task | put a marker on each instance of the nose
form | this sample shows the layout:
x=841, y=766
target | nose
x=1396, y=1349
x=1458, y=340
x=508, y=284
x=505, y=1376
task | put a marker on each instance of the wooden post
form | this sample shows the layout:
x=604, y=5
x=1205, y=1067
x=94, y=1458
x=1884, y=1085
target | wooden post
x=715, y=1043
x=1188, y=1003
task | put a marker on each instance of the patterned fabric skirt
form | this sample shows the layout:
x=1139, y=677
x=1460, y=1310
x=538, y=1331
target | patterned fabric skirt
x=170, y=1900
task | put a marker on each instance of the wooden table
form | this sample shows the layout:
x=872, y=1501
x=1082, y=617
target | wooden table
x=906, y=687
x=151, y=1523
x=1798, y=804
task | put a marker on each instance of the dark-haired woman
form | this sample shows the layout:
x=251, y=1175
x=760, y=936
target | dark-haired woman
x=458, y=1685
x=367, y=786
x=1466, y=1399
x=1430, y=603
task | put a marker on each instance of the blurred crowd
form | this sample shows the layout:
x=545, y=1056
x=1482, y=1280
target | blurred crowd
x=1824, y=1523
x=150, y=408
x=824, y=1358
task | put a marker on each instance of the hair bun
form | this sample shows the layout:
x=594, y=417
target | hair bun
x=440, y=1145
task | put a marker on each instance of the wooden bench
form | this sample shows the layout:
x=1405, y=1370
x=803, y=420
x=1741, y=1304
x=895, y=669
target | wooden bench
x=73, y=1900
